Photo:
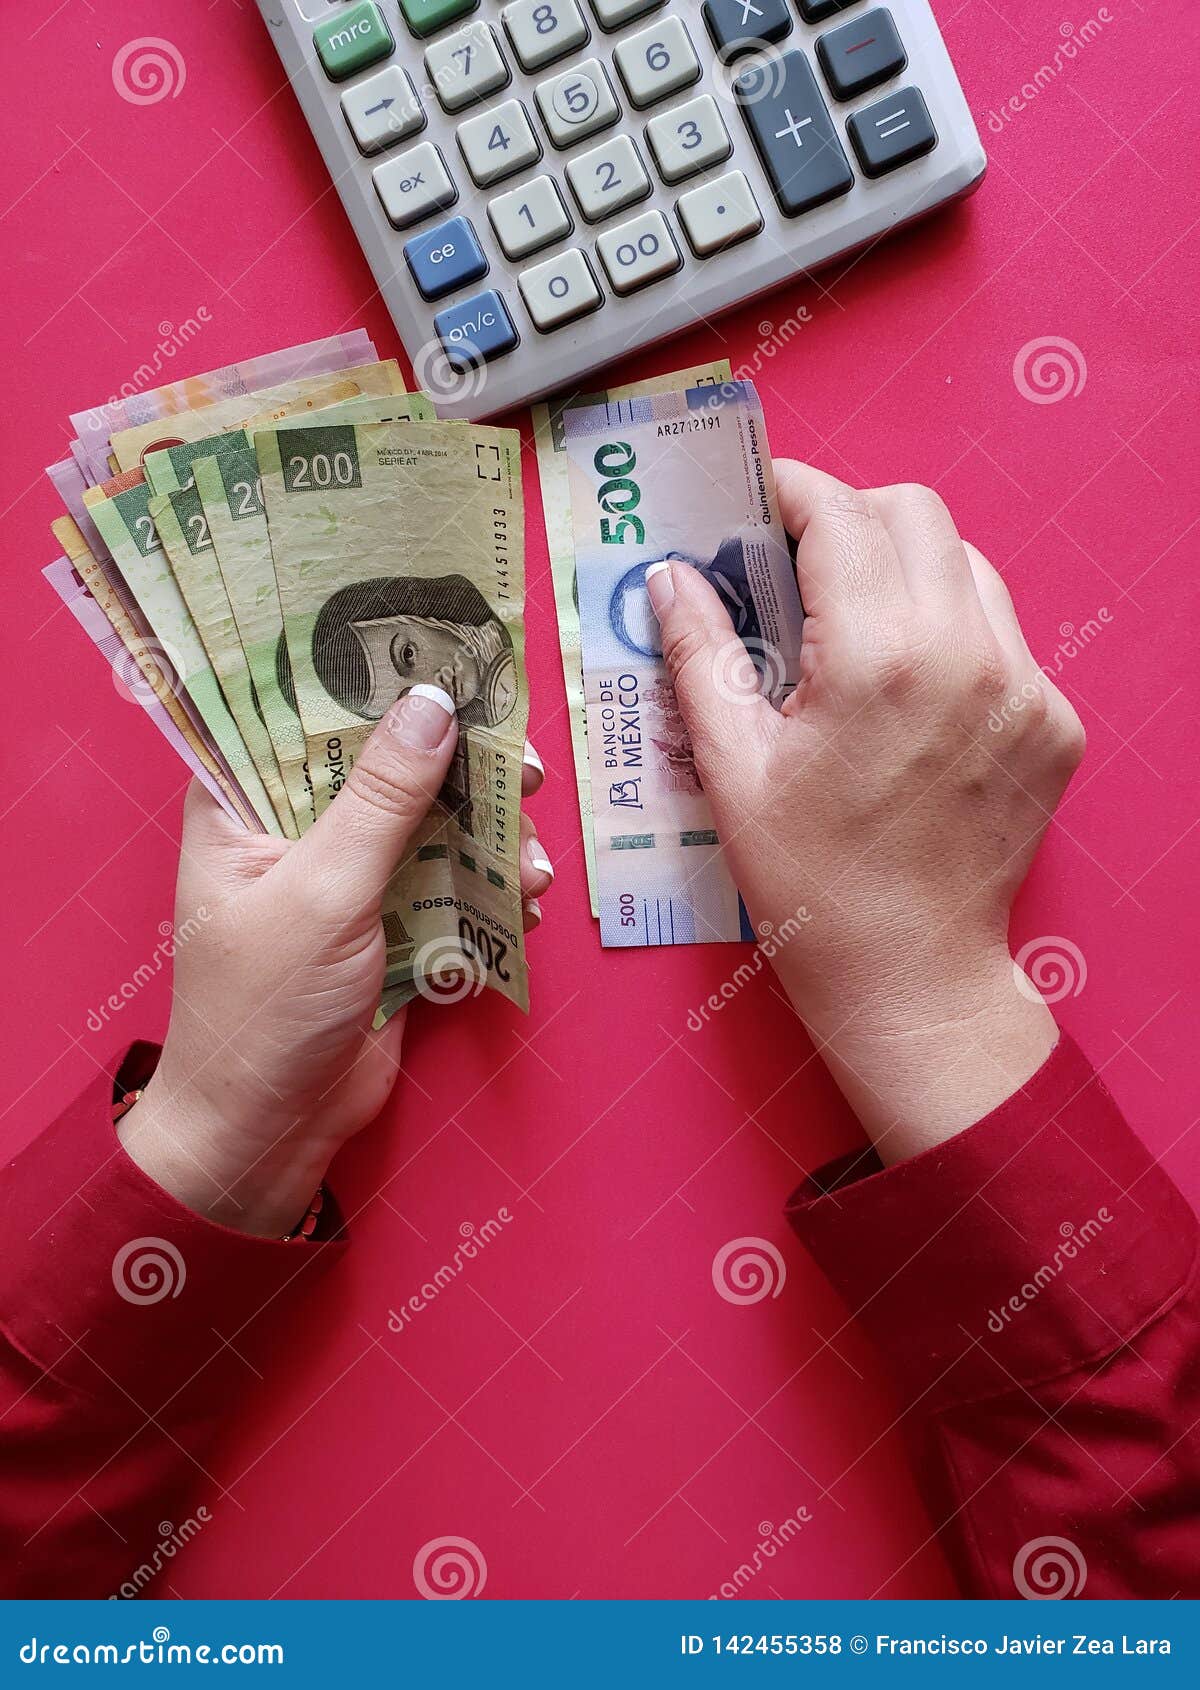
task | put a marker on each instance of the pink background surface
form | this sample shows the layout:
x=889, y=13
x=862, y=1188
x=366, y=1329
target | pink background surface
x=581, y=1403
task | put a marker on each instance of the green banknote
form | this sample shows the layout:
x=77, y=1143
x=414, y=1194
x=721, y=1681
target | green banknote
x=550, y=434
x=183, y=529
x=399, y=558
x=120, y=510
x=230, y=495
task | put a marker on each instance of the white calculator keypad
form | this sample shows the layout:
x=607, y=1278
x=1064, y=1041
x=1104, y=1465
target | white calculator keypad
x=529, y=218
x=542, y=31
x=465, y=67
x=608, y=172
x=608, y=178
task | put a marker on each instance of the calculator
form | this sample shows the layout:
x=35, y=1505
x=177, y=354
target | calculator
x=541, y=186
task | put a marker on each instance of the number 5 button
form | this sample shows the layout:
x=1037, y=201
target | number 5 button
x=639, y=252
x=498, y=142
x=559, y=290
x=577, y=103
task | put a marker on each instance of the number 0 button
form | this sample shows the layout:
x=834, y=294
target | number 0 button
x=639, y=252
x=559, y=290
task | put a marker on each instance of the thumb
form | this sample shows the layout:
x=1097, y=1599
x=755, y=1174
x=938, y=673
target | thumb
x=358, y=841
x=716, y=682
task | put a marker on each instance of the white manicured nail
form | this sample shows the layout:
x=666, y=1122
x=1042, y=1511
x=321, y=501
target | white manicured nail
x=539, y=860
x=531, y=757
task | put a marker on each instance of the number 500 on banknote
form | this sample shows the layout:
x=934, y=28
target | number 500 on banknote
x=672, y=475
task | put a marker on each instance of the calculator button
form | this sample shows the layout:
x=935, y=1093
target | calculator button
x=611, y=14
x=740, y=26
x=529, y=217
x=498, y=142
x=382, y=110
x=639, y=252
x=816, y=11
x=426, y=17
x=353, y=39
x=476, y=331
x=465, y=66
x=689, y=139
x=658, y=62
x=559, y=290
x=445, y=258
x=790, y=126
x=608, y=178
x=576, y=103
x=861, y=55
x=892, y=132
x=414, y=184
x=543, y=30
x=719, y=214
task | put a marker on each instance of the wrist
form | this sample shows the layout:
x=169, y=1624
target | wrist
x=928, y=1051
x=254, y=1176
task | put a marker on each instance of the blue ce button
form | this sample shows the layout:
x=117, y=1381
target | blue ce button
x=476, y=331
x=445, y=258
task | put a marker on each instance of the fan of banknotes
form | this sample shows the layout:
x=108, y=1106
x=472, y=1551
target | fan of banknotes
x=677, y=467
x=268, y=556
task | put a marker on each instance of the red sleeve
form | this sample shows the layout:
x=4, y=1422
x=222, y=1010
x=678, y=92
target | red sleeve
x=121, y=1314
x=1032, y=1286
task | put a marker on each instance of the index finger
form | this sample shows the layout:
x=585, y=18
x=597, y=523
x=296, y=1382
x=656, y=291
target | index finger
x=846, y=563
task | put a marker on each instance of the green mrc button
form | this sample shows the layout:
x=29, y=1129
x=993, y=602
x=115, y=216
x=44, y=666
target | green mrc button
x=352, y=39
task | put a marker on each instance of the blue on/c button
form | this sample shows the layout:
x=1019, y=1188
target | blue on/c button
x=445, y=258
x=475, y=331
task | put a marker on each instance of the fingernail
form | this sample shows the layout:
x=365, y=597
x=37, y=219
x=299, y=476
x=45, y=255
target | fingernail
x=539, y=860
x=420, y=717
x=530, y=756
x=660, y=586
x=534, y=909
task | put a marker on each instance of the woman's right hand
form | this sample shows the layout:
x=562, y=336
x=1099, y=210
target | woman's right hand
x=884, y=820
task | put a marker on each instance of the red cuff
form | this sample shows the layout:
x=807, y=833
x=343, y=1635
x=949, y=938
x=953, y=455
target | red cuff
x=1043, y=1237
x=109, y=1277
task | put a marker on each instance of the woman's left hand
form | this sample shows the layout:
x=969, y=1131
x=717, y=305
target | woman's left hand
x=270, y=1063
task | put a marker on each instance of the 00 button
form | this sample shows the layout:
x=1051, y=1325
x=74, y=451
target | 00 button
x=639, y=252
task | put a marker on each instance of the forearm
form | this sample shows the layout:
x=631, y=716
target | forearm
x=124, y=1318
x=926, y=1054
